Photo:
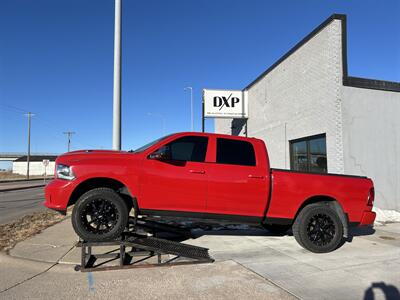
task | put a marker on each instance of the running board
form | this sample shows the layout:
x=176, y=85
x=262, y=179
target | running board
x=145, y=248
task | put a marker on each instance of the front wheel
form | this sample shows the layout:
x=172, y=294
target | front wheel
x=99, y=215
x=318, y=228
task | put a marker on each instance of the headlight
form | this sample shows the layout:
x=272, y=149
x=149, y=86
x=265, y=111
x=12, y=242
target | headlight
x=64, y=172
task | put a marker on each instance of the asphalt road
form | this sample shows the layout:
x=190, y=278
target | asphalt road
x=16, y=204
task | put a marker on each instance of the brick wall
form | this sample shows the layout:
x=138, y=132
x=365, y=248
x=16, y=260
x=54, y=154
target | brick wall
x=299, y=98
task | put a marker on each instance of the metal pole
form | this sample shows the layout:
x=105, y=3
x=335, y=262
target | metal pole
x=117, y=78
x=191, y=107
x=202, y=113
x=29, y=115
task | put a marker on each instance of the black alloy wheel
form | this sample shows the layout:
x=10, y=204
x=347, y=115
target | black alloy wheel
x=321, y=229
x=100, y=215
x=318, y=228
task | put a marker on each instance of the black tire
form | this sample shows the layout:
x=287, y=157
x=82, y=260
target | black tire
x=318, y=228
x=277, y=229
x=99, y=215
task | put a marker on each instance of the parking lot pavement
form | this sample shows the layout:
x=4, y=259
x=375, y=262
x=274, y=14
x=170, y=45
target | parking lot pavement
x=222, y=280
x=249, y=264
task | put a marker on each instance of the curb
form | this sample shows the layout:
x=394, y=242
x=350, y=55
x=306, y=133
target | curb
x=21, y=188
x=20, y=180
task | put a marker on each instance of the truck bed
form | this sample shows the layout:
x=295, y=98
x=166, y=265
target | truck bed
x=291, y=188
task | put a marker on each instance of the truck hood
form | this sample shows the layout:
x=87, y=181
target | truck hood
x=80, y=155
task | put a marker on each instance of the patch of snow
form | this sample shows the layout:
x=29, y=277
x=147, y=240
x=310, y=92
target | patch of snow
x=386, y=216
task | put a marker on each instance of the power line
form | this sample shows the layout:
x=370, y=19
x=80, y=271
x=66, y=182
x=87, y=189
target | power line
x=46, y=123
x=19, y=110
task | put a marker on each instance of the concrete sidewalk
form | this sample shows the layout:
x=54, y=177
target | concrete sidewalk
x=13, y=186
x=250, y=264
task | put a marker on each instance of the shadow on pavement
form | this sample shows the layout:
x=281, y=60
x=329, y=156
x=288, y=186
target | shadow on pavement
x=181, y=231
x=359, y=231
x=390, y=291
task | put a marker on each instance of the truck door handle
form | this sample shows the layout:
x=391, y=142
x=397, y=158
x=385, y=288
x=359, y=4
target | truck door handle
x=256, y=176
x=197, y=171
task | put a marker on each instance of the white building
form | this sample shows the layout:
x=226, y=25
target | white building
x=36, y=165
x=314, y=117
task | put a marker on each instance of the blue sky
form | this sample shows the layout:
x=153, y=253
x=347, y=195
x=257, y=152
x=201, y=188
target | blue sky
x=56, y=60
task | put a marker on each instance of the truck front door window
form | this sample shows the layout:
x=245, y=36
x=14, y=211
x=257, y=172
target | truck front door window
x=190, y=148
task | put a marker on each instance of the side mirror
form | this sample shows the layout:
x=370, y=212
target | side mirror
x=161, y=154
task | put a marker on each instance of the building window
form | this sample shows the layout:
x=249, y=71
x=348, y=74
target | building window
x=309, y=154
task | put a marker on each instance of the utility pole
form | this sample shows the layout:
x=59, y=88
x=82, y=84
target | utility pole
x=117, y=78
x=191, y=106
x=29, y=115
x=69, y=134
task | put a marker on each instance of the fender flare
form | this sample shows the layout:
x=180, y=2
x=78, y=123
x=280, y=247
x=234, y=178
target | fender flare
x=342, y=216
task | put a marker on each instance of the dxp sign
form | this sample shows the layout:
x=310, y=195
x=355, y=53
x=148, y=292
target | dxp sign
x=225, y=104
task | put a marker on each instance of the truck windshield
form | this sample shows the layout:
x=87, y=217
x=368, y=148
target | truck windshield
x=147, y=146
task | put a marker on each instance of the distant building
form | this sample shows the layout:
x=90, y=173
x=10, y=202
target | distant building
x=314, y=117
x=36, y=166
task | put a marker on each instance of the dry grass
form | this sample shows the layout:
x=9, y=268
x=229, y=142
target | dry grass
x=13, y=176
x=12, y=233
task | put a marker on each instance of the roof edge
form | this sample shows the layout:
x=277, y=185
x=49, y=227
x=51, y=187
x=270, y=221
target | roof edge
x=374, y=84
x=351, y=81
x=297, y=46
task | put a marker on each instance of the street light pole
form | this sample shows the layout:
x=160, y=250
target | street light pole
x=117, y=78
x=191, y=106
x=28, y=157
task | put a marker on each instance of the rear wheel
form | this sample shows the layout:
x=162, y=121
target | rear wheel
x=318, y=228
x=99, y=214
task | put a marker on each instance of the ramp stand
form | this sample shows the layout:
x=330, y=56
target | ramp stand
x=145, y=248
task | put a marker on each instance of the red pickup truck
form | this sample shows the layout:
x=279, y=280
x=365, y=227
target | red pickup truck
x=209, y=177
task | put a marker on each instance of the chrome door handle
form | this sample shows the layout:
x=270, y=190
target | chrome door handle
x=197, y=171
x=256, y=176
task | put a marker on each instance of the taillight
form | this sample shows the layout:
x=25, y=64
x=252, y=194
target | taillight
x=371, y=197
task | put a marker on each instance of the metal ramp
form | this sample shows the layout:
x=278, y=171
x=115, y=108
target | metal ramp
x=145, y=252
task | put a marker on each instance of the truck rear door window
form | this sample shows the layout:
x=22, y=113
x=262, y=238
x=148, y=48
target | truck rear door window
x=235, y=152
